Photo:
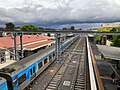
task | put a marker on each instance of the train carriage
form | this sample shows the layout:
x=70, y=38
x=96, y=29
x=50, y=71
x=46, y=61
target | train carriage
x=26, y=70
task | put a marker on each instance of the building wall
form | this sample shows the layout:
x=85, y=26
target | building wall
x=111, y=25
x=108, y=43
x=7, y=55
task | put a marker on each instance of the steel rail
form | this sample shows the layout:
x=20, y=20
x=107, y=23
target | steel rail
x=78, y=82
x=56, y=73
x=70, y=46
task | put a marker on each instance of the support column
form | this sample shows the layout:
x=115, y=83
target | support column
x=103, y=40
x=59, y=50
x=21, y=46
x=15, y=45
x=117, y=64
x=65, y=37
x=57, y=38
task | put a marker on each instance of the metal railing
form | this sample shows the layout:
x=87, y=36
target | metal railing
x=93, y=82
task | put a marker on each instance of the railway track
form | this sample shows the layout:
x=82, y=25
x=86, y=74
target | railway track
x=44, y=83
x=55, y=81
x=79, y=81
x=79, y=76
x=74, y=63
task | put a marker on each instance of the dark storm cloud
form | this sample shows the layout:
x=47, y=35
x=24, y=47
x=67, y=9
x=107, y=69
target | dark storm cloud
x=60, y=12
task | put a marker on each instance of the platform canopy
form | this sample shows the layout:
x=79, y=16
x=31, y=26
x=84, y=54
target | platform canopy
x=110, y=52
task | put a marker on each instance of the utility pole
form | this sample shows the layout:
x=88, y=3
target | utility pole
x=57, y=38
x=15, y=45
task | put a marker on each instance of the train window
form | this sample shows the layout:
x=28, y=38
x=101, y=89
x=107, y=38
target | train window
x=33, y=69
x=45, y=61
x=53, y=54
x=39, y=65
x=50, y=57
x=21, y=79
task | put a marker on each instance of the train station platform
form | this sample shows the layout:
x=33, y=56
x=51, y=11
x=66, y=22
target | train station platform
x=105, y=69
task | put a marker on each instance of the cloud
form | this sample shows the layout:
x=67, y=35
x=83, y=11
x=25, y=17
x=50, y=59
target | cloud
x=59, y=12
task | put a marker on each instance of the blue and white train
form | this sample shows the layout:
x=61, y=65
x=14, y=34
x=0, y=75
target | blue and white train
x=23, y=72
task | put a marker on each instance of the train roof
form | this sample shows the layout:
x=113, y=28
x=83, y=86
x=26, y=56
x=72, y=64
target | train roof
x=17, y=66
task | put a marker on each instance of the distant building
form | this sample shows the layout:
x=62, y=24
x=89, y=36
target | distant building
x=111, y=25
x=31, y=44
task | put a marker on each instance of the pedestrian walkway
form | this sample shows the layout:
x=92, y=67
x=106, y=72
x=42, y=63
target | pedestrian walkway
x=105, y=69
x=110, y=52
x=8, y=62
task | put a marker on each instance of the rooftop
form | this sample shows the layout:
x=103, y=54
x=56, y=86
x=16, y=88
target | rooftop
x=110, y=52
x=29, y=41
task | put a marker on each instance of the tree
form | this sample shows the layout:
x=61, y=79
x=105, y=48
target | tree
x=116, y=41
x=40, y=28
x=1, y=33
x=97, y=38
x=49, y=34
x=72, y=27
x=114, y=38
x=103, y=29
x=64, y=28
x=9, y=26
x=110, y=37
x=29, y=27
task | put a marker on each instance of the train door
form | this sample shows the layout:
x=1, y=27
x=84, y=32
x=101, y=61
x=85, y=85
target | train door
x=45, y=61
x=50, y=58
x=33, y=72
x=36, y=67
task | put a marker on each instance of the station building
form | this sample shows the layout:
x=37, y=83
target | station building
x=31, y=44
x=111, y=25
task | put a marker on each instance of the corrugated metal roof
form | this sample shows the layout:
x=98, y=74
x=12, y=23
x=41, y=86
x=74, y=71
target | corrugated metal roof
x=9, y=41
x=38, y=45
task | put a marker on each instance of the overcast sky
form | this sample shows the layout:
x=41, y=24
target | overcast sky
x=59, y=13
